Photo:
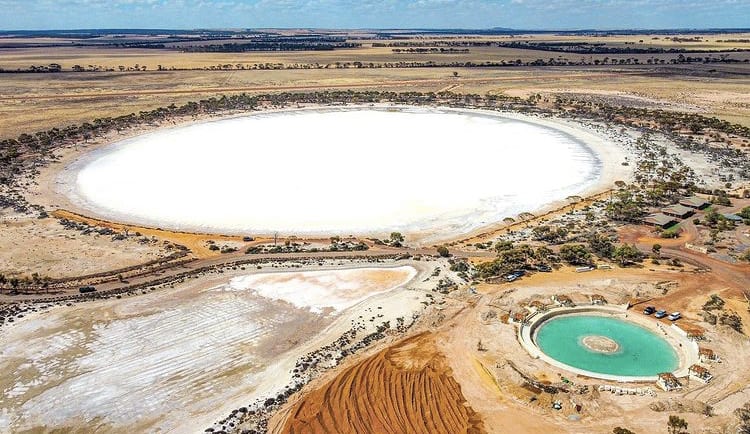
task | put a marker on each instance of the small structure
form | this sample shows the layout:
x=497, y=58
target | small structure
x=538, y=306
x=690, y=331
x=519, y=317
x=659, y=220
x=679, y=211
x=668, y=382
x=707, y=355
x=562, y=300
x=732, y=217
x=695, y=202
x=700, y=373
x=598, y=299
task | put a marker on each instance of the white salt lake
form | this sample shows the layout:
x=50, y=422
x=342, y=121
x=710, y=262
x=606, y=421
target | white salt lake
x=347, y=170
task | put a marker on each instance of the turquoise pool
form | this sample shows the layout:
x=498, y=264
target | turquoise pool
x=606, y=345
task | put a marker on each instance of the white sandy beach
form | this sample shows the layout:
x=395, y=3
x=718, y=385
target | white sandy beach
x=353, y=170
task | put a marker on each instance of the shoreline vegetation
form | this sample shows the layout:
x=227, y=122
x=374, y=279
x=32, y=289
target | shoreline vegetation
x=23, y=154
x=659, y=181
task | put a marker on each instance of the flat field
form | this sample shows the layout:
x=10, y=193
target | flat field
x=43, y=100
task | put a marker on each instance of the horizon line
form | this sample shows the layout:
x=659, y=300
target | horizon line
x=432, y=29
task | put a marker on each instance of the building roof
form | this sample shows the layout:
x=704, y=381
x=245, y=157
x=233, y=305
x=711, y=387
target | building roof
x=706, y=352
x=668, y=377
x=732, y=217
x=698, y=369
x=537, y=303
x=598, y=297
x=694, y=202
x=659, y=219
x=677, y=209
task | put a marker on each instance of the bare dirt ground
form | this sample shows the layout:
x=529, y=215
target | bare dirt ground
x=29, y=245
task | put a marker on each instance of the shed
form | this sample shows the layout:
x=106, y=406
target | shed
x=732, y=217
x=519, y=317
x=563, y=300
x=695, y=202
x=707, y=355
x=660, y=220
x=679, y=211
x=668, y=382
x=538, y=305
x=700, y=373
x=598, y=299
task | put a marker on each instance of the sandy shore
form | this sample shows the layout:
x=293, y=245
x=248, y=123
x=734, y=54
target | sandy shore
x=54, y=183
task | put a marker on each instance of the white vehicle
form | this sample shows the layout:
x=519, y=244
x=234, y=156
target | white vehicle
x=674, y=316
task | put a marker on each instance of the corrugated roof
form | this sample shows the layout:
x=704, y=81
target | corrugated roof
x=677, y=209
x=658, y=219
x=694, y=202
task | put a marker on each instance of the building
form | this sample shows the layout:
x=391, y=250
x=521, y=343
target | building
x=668, y=382
x=659, y=220
x=598, y=299
x=538, y=306
x=732, y=217
x=700, y=373
x=695, y=202
x=707, y=355
x=679, y=211
x=563, y=300
x=519, y=317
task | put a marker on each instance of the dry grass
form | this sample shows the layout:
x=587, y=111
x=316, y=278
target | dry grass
x=39, y=101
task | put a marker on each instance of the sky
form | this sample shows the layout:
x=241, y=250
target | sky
x=350, y=14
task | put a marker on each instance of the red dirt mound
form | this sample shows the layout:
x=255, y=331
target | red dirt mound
x=406, y=388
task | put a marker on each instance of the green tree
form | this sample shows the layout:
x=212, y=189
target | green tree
x=656, y=249
x=676, y=425
x=620, y=430
x=502, y=246
x=575, y=254
x=601, y=245
x=711, y=217
x=626, y=254
x=543, y=253
x=443, y=251
x=397, y=239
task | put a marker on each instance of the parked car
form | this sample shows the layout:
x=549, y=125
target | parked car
x=511, y=277
x=544, y=268
x=649, y=310
x=661, y=313
x=674, y=316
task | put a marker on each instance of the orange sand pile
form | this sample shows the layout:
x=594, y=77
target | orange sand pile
x=407, y=388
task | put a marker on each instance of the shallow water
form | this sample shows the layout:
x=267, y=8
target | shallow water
x=640, y=353
x=347, y=171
